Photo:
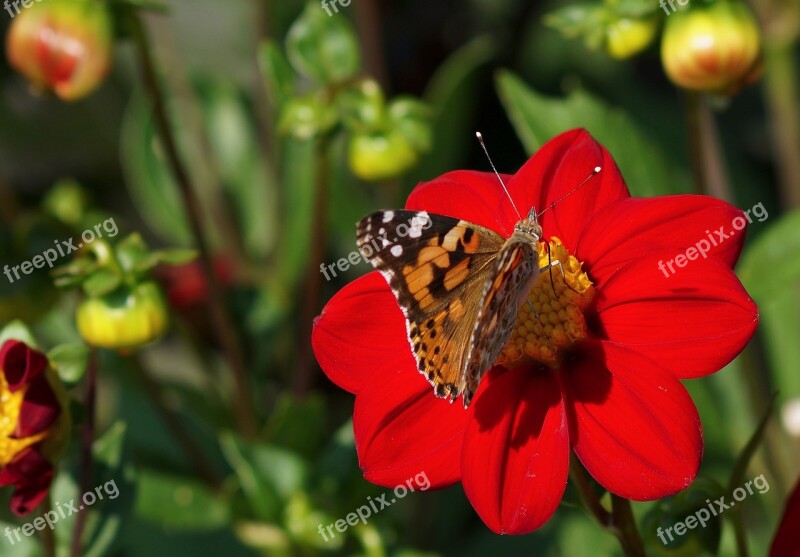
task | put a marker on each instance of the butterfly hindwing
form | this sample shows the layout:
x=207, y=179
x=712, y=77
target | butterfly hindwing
x=506, y=287
x=436, y=266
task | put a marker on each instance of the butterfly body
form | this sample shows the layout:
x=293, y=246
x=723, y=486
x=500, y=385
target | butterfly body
x=459, y=285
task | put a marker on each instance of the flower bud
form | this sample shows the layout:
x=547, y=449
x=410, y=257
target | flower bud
x=125, y=318
x=714, y=48
x=627, y=37
x=380, y=156
x=63, y=45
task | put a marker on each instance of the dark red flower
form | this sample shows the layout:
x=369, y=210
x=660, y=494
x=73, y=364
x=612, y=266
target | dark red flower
x=29, y=409
x=787, y=539
x=611, y=392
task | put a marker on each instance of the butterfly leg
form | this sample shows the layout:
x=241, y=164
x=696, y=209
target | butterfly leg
x=549, y=267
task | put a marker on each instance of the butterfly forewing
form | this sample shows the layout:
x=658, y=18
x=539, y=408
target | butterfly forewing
x=437, y=267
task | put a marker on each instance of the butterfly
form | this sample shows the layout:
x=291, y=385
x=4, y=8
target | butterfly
x=459, y=285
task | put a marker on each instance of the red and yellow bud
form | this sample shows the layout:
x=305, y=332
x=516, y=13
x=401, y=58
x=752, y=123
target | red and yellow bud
x=32, y=424
x=62, y=45
x=714, y=48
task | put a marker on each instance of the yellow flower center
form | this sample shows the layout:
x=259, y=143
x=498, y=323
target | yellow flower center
x=10, y=406
x=545, y=336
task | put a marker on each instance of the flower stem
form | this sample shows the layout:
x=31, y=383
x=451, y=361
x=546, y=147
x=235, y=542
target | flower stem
x=87, y=439
x=220, y=316
x=48, y=540
x=313, y=282
x=625, y=523
x=619, y=522
x=740, y=534
x=587, y=495
x=708, y=164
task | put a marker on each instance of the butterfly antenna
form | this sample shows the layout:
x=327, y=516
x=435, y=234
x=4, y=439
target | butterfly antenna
x=496, y=173
x=576, y=188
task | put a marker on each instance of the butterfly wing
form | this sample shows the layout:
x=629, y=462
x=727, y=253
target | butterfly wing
x=513, y=273
x=436, y=266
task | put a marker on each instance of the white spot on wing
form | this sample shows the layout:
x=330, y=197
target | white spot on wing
x=418, y=221
x=388, y=216
x=397, y=250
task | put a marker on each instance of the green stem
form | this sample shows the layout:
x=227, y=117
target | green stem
x=313, y=283
x=740, y=534
x=220, y=316
x=587, y=495
x=87, y=440
x=628, y=534
x=619, y=522
x=708, y=164
x=48, y=540
x=782, y=92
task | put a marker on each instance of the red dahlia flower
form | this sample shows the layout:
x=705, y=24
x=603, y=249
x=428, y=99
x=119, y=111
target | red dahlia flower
x=29, y=425
x=600, y=373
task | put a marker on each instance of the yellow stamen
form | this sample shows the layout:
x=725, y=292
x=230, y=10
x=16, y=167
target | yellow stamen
x=10, y=406
x=560, y=323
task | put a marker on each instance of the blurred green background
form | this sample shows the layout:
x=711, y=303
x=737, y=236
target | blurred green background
x=493, y=66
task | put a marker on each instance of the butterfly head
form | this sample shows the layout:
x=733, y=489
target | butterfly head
x=530, y=226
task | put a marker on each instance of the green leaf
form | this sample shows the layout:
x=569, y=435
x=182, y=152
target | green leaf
x=17, y=330
x=579, y=20
x=107, y=449
x=147, y=176
x=131, y=251
x=324, y=48
x=101, y=282
x=70, y=361
x=775, y=249
x=180, y=503
x=165, y=257
x=245, y=173
x=278, y=74
x=268, y=475
x=538, y=118
x=770, y=271
x=298, y=425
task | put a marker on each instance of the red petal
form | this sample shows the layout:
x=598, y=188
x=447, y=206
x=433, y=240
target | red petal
x=31, y=475
x=693, y=323
x=636, y=226
x=402, y=430
x=787, y=539
x=516, y=450
x=634, y=428
x=20, y=363
x=361, y=334
x=473, y=196
x=556, y=169
x=39, y=409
